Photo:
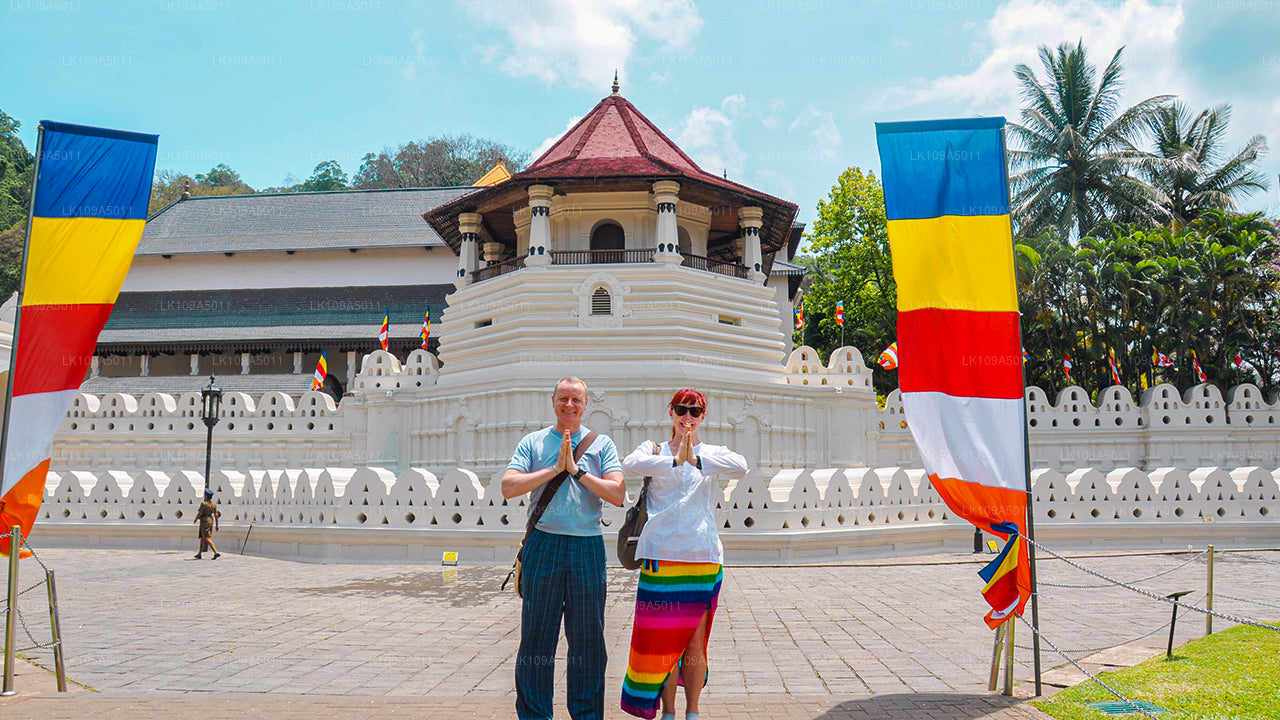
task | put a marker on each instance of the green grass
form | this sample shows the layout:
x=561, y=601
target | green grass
x=1230, y=675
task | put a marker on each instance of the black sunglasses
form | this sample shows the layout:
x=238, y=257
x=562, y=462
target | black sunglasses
x=693, y=410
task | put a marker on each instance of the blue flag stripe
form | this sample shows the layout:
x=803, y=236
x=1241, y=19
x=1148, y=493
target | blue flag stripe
x=94, y=173
x=943, y=167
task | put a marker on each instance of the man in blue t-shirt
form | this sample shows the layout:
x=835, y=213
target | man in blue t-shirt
x=563, y=558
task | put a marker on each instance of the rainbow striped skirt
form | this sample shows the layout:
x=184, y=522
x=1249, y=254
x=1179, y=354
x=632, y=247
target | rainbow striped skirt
x=670, y=601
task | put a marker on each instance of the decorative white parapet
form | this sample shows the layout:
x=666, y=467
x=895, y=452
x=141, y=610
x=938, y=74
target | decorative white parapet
x=1196, y=428
x=370, y=513
x=811, y=415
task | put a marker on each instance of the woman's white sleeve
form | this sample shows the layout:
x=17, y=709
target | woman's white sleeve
x=720, y=460
x=644, y=461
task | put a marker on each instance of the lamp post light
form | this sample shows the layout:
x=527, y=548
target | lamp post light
x=210, y=402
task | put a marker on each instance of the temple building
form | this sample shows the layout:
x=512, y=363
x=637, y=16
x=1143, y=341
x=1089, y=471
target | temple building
x=252, y=288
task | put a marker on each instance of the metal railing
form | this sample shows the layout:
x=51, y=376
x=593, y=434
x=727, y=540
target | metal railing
x=698, y=262
x=501, y=268
x=611, y=257
x=600, y=257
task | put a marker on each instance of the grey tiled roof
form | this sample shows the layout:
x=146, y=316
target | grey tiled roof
x=296, y=221
x=782, y=267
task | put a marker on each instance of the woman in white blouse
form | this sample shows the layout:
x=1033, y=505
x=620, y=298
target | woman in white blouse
x=680, y=580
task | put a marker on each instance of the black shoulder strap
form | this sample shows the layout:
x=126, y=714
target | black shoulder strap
x=553, y=485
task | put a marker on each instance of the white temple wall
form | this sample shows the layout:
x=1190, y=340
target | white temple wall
x=398, y=417
x=305, y=268
x=346, y=513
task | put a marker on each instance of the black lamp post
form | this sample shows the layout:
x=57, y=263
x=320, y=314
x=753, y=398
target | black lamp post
x=210, y=402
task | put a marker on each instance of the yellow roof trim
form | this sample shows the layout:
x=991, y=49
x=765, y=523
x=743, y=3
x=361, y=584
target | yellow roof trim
x=499, y=174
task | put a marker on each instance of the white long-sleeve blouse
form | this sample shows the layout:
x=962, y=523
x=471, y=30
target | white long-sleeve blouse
x=682, y=501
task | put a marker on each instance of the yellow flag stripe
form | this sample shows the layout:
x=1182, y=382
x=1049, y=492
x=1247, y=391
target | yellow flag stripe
x=954, y=262
x=79, y=261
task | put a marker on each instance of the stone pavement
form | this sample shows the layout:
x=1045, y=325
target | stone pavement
x=161, y=635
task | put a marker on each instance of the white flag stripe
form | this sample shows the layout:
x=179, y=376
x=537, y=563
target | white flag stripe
x=33, y=420
x=977, y=440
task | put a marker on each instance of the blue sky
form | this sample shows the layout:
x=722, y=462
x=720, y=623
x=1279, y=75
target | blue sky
x=780, y=94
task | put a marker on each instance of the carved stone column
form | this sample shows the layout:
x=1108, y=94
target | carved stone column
x=468, y=252
x=750, y=220
x=666, y=194
x=539, y=226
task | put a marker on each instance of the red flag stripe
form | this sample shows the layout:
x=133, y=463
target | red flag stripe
x=55, y=344
x=960, y=352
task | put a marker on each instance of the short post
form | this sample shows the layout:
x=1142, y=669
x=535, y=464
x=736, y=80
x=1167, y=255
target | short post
x=1173, y=623
x=1008, y=657
x=11, y=624
x=977, y=539
x=1208, y=618
x=995, y=659
x=55, y=626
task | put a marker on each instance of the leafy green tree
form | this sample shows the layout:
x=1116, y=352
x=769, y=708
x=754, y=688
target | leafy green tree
x=436, y=162
x=17, y=169
x=328, y=175
x=849, y=253
x=1075, y=156
x=1190, y=169
x=168, y=185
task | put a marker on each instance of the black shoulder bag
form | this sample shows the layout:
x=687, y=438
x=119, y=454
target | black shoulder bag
x=633, y=524
x=548, y=492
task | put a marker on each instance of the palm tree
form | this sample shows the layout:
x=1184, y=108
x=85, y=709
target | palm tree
x=1074, y=166
x=1191, y=174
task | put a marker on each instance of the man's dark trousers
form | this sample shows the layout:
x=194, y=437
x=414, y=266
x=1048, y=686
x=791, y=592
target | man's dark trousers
x=563, y=577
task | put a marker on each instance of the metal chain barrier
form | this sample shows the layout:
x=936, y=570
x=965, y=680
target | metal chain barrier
x=1085, y=651
x=1086, y=673
x=32, y=638
x=1218, y=595
x=1197, y=556
x=1155, y=596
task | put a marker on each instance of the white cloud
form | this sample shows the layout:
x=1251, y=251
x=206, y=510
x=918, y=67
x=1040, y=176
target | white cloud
x=581, y=42
x=551, y=140
x=821, y=126
x=1147, y=29
x=708, y=136
x=776, y=184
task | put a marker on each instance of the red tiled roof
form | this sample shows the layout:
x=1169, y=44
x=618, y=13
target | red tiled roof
x=614, y=140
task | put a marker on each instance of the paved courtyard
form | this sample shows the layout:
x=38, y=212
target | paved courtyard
x=162, y=635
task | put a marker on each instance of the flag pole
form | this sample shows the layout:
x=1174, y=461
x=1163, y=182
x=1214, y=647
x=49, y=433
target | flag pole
x=1026, y=452
x=17, y=308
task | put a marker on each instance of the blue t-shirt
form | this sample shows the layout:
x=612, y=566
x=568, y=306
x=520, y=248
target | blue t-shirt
x=574, y=510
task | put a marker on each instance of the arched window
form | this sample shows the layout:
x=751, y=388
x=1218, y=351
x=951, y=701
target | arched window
x=686, y=245
x=601, y=302
x=608, y=236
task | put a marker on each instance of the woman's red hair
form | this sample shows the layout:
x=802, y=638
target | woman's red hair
x=688, y=396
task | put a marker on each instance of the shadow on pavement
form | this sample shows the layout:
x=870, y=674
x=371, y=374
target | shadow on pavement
x=926, y=706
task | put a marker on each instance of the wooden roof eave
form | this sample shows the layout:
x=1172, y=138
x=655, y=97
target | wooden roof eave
x=778, y=214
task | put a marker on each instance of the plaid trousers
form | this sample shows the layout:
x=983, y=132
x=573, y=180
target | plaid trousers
x=563, y=578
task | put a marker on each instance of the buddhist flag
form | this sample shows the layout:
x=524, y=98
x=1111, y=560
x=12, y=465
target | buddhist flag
x=1159, y=359
x=92, y=188
x=800, y=316
x=889, y=358
x=1238, y=361
x=1115, y=369
x=1025, y=356
x=426, y=328
x=322, y=372
x=946, y=199
x=385, y=332
x=1066, y=366
x=1195, y=362
x=840, y=314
